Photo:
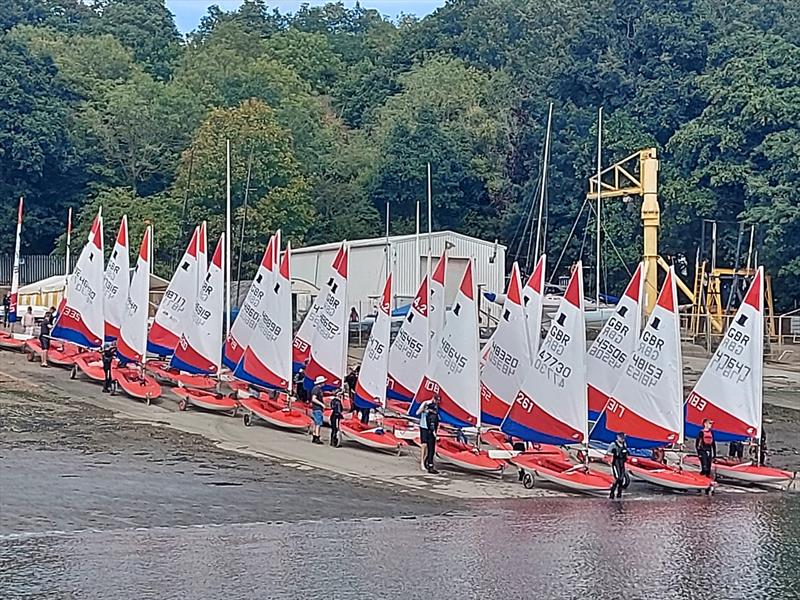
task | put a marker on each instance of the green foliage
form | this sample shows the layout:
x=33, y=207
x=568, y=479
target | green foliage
x=104, y=102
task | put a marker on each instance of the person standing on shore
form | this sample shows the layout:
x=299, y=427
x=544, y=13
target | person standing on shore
x=706, y=447
x=109, y=351
x=337, y=413
x=44, y=337
x=6, y=309
x=317, y=407
x=351, y=379
x=618, y=451
x=28, y=321
x=299, y=388
x=428, y=425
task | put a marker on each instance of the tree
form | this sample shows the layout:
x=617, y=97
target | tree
x=36, y=153
x=278, y=196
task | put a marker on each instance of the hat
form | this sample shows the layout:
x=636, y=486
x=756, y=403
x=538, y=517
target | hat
x=319, y=379
x=620, y=434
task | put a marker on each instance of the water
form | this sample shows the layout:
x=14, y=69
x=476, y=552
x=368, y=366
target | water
x=662, y=547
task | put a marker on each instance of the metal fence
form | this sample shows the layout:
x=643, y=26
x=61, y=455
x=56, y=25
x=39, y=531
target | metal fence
x=33, y=267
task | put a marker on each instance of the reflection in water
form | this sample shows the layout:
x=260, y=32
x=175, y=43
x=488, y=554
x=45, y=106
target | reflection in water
x=667, y=547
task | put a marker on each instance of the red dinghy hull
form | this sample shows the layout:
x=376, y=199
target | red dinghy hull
x=745, y=472
x=276, y=414
x=206, y=400
x=375, y=438
x=575, y=478
x=666, y=476
x=499, y=441
x=9, y=342
x=60, y=354
x=92, y=367
x=131, y=382
x=467, y=458
x=169, y=376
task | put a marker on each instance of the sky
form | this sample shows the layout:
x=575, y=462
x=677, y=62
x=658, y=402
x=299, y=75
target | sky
x=188, y=12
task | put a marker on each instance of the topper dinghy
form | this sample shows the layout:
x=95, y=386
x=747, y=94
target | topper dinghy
x=551, y=406
x=408, y=354
x=730, y=390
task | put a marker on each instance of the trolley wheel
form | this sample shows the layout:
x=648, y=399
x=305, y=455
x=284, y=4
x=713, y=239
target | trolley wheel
x=529, y=481
x=74, y=372
x=247, y=420
x=182, y=405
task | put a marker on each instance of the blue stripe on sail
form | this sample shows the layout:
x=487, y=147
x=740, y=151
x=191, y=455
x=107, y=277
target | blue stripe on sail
x=691, y=431
x=487, y=419
x=72, y=335
x=158, y=350
x=527, y=434
x=363, y=402
x=177, y=363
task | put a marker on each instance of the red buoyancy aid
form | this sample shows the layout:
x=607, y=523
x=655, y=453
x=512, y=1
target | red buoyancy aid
x=708, y=437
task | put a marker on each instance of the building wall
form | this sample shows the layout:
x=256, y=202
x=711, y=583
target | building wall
x=367, y=272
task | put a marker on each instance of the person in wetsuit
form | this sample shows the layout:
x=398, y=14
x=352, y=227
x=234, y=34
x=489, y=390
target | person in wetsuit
x=618, y=450
x=706, y=447
x=44, y=336
x=299, y=385
x=317, y=407
x=109, y=351
x=337, y=412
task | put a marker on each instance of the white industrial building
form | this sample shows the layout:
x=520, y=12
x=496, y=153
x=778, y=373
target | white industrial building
x=409, y=262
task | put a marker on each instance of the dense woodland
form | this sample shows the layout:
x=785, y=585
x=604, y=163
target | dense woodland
x=337, y=111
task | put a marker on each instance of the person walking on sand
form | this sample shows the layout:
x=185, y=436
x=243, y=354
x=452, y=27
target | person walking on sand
x=109, y=351
x=706, y=447
x=317, y=406
x=28, y=321
x=618, y=451
x=44, y=337
x=337, y=413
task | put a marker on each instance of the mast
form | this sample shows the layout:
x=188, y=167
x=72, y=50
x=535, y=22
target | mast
x=430, y=227
x=226, y=259
x=148, y=233
x=241, y=232
x=15, y=273
x=597, y=214
x=69, y=238
x=416, y=239
x=543, y=191
x=386, y=249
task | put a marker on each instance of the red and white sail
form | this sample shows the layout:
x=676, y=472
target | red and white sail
x=132, y=340
x=438, y=304
x=116, y=282
x=730, y=390
x=509, y=359
x=551, y=406
x=647, y=401
x=12, y=314
x=80, y=318
x=328, y=357
x=453, y=369
x=199, y=349
x=247, y=320
x=267, y=359
x=532, y=302
x=370, y=389
x=178, y=301
x=301, y=346
x=614, y=344
x=408, y=354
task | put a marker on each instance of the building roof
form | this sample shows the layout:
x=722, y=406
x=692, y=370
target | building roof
x=381, y=241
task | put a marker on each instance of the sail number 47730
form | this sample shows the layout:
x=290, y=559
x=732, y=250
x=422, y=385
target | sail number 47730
x=548, y=364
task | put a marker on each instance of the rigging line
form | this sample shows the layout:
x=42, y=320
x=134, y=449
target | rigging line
x=585, y=233
x=530, y=205
x=735, y=268
x=614, y=247
x=527, y=210
x=566, y=243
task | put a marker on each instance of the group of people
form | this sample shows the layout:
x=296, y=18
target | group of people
x=316, y=397
x=29, y=325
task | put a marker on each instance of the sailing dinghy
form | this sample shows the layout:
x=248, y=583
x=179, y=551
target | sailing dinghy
x=80, y=317
x=199, y=349
x=509, y=358
x=175, y=307
x=116, y=283
x=408, y=354
x=370, y=392
x=647, y=401
x=730, y=392
x=452, y=374
x=132, y=333
x=551, y=406
x=267, y=360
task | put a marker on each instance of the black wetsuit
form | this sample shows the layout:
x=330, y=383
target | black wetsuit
x=432, y=417
x=336, y=416
x=44, y=334
x=108, y=358
x=706, y=451
x=299, y=386
x=619, y=454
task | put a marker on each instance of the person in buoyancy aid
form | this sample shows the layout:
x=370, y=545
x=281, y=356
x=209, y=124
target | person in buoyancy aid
x=706, y=447
x=109, y=352
x=618, y=450
x=337, y=412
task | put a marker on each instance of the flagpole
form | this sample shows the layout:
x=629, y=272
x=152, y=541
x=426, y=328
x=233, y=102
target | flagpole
x=227, y=249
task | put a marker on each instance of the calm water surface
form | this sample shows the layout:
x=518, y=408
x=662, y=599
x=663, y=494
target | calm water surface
x=663, y=547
